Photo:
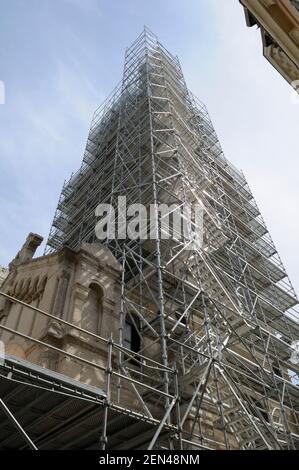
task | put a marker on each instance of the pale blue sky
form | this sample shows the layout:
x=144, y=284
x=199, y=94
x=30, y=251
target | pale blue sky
x=60, y=58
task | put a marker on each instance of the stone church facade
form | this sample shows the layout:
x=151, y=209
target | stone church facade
x=80, y=287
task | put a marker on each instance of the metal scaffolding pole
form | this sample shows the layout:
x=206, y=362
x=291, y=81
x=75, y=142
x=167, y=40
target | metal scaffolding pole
x=17, y=425
x=216, y=320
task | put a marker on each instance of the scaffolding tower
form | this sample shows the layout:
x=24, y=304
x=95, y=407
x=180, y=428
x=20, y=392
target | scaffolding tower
x=221, y=316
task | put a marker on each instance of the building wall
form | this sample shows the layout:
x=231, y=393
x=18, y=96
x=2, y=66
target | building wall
x=80, y=287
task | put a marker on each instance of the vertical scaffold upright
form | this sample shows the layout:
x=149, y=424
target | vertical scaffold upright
x=221, y=314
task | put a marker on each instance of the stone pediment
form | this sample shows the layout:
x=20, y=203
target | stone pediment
x=102, y=254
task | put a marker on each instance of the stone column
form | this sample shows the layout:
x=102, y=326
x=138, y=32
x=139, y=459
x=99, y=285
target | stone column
x=80, y=295
x=55, y=327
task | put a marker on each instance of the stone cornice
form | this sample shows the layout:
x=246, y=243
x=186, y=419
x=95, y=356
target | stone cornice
x=282, y=63
x=279, y=19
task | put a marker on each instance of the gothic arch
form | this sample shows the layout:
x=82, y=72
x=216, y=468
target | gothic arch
x=27, y=286
x=35, y=285
x=18, y=288
x=42, y=283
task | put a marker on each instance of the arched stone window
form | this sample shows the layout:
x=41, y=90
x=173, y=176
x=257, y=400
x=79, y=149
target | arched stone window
x=131, y=333
x=276, y=369
x=178, y=314
x=92, y=309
